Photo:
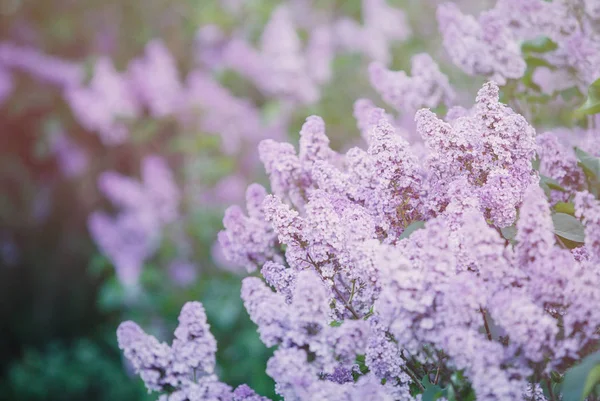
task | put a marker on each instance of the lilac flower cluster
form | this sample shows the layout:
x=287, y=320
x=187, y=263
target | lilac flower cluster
x=344, y=268
x=491, y=44
x=144, y=208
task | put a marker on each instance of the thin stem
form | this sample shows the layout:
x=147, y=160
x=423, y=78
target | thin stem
x=337, y=291
x=560, y=241
x=413, y=376
x=437, y=374
x=485, y=324
x=352, y=291
x=550, y=390
x=348, y=306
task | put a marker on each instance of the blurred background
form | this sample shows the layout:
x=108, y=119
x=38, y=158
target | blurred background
x=126, y=128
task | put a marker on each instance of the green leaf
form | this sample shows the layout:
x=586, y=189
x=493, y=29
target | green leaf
x=111, y=296
x=541, y=44
x=432, y=391
x=548, y=184
x=565, y=207
x=592, y=103
x=580, y=380
x=411, y=228
x=551, y=183
x=591, y=163
x=591, y=168
x=567, y=226
x=509, y=232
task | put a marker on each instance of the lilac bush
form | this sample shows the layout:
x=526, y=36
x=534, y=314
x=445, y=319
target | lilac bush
x=453, y=255
x=454, y=258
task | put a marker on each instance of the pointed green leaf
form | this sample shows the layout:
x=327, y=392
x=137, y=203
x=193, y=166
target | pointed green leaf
x=580, y=380
x=592, y=103
x=567, y=226
x=589, y=162
x=509, y=232
x=411, y=228
x=541, y=44
x=565, y=207
x=432, y=391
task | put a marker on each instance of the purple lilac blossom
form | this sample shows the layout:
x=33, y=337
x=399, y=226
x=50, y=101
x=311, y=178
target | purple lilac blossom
x=154, y=79
x=427, y=87
x=102, y=106
x=46, y=68
x=133, y=235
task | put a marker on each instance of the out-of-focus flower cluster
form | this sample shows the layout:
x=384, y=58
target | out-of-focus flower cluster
x=111, y=103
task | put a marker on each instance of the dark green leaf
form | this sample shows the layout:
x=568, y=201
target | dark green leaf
x=411, y=228
x=592, y=103
x=580, y=380
x=567, y=226
x=432, y=391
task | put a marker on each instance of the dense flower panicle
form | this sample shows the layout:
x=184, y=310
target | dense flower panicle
x=248, y=241
x=279, y=277
x=314, y=143
x=102, y=105
x=493, y=148
x=397, y=189
x=245, y=393
x=183, y=370
x=480, y=47
x=367, y=114
x=150, y=358
x=266, y=309
x=559, y=162
x=427, y=87
x=535, y=236
x=194, y=346
x=155, y=80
